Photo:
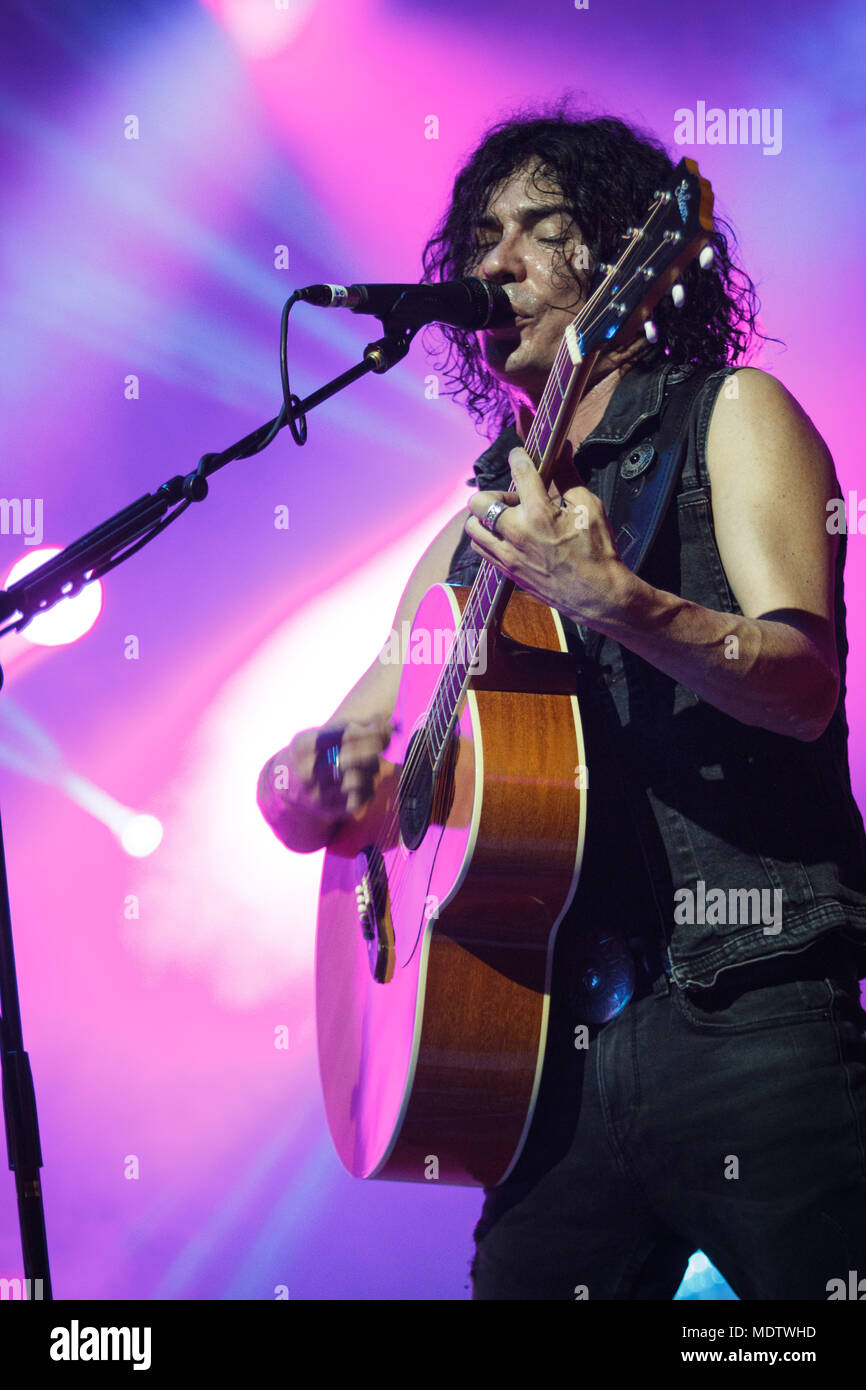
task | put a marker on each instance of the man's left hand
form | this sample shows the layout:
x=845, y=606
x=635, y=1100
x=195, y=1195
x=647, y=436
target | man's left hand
x=556, y=544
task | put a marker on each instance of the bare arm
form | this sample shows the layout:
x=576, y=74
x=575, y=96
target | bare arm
x=288, y=798
x=776, y=666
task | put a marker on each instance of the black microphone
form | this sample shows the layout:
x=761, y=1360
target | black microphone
x=470, y=303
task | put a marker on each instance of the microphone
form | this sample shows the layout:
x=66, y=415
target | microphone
x=469, y=303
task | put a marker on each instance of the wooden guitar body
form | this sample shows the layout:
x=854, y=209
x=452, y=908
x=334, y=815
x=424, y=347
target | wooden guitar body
x=432, y=1070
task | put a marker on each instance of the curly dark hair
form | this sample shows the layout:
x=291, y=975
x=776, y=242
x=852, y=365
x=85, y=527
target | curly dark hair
x=607, y=171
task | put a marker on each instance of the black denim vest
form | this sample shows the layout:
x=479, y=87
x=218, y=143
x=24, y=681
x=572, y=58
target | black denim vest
x=683, y=799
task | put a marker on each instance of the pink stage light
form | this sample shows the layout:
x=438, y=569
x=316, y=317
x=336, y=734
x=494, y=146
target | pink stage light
x=261, y=30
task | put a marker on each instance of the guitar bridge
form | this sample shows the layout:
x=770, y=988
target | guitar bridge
x=374, y=913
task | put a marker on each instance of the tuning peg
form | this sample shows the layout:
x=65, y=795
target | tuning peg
x=706, y=258
x=651, y=331
x=678, y=295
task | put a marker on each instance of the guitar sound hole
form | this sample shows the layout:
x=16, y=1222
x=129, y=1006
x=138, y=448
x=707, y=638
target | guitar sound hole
x=416, y=794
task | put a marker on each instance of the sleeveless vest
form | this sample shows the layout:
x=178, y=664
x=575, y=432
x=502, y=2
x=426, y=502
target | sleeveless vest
x=739, y=843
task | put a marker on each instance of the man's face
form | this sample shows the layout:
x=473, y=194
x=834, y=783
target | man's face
x=524, y=236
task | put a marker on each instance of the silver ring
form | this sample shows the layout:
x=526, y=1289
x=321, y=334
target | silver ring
x=492, y=515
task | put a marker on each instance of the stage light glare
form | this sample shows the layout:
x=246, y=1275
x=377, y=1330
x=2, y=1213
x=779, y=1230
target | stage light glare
x=141, y=835
x=67, y=620
x=261, y=30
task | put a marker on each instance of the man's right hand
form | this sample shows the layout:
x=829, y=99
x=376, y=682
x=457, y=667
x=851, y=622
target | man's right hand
x=304, y=808
x=288, y=796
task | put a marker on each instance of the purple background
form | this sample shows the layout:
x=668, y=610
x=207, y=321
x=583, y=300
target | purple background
x=153, y=1035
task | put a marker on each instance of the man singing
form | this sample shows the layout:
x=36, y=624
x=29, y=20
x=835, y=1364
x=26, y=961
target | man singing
x=715, y=941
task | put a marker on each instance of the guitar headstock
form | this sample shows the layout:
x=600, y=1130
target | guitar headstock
x=678, y=228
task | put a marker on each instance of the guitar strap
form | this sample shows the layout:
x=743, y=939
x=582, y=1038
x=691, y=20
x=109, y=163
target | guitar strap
x=645, y=482
x=636, y=507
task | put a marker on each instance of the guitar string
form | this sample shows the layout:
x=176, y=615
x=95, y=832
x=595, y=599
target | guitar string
x=487, y=568
x=563, y=359
x=473, y=610
x=474, y=607
x=487, y=571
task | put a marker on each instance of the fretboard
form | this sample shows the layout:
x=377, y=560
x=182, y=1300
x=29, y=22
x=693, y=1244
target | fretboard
x=488, y=589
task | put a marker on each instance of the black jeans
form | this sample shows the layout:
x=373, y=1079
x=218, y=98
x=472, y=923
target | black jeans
x=731, y=1121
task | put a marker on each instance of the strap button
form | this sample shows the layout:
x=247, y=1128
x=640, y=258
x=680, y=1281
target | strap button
x=637, y=460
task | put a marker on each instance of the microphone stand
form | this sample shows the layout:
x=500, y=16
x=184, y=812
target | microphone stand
x=86, y=559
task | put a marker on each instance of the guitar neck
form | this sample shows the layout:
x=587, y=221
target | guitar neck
x=491, y=589
x=562, y=394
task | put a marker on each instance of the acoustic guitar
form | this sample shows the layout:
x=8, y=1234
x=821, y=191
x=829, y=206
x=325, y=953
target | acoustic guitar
x=440, y=901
